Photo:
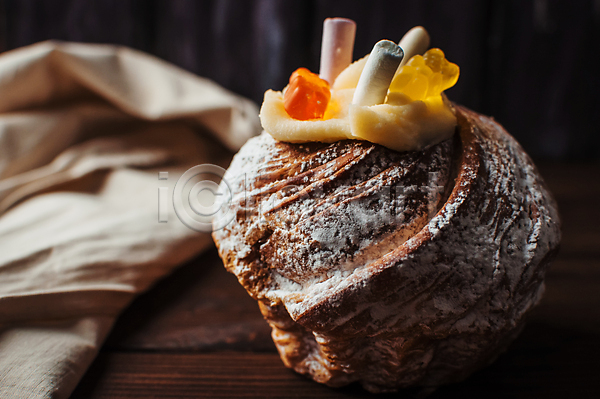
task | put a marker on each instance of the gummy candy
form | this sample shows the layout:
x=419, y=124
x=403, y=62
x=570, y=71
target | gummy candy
x=307, y=95
x=425, y=76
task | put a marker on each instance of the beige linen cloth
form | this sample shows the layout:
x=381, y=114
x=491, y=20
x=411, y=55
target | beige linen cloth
x=84, y=131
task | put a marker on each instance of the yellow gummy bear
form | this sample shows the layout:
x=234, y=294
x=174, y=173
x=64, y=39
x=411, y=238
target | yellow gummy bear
x=425, y=76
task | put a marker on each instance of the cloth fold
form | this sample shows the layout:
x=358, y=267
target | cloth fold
x=84, y=132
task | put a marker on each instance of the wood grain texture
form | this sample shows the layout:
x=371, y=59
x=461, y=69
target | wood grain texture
x=540, y=76
x=200, y=307
x=561, y=367
x=529, y=63
x=576, y=189
x=198, y=334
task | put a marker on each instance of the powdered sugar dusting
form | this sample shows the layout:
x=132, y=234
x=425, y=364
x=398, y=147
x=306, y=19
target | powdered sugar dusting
x=392, y=268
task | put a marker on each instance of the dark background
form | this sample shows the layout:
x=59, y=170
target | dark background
x=532, y=64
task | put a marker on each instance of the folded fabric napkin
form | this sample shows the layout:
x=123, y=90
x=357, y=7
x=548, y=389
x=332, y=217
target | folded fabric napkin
x=84, y=132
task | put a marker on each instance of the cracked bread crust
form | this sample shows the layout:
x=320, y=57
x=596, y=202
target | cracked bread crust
x=391, y=269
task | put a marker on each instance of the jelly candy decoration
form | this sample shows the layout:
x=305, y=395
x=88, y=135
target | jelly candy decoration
x=411, y=82
x=445, y=70
x=425, y=76
x=307, y=95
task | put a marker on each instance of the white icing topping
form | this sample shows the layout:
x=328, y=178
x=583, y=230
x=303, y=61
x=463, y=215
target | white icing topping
x=398, y=123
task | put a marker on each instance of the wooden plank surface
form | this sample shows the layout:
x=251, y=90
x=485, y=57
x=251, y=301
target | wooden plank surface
x=529, y=63
x=199, y=307
x=557, y=374
x=197, y=334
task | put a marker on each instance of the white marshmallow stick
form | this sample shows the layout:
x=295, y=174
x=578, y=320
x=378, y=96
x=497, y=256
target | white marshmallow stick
x=336, y=47
x=377, y=75
x=415, y=41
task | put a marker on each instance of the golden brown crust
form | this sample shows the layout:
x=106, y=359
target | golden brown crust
x=392, y=269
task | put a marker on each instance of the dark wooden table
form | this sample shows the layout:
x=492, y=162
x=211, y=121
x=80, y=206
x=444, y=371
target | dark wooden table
x=197, y=334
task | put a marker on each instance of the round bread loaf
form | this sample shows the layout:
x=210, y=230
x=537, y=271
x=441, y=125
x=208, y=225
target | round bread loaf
x=391, y=269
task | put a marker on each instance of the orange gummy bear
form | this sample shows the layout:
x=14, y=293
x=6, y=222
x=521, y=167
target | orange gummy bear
x=307, y=95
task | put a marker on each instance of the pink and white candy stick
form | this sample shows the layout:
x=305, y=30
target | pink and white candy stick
x=336, y=47
x=415, y=41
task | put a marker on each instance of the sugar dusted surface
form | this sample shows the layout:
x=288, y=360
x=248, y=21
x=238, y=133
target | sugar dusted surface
x=322, y=227
x=389, y=268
